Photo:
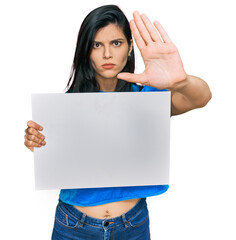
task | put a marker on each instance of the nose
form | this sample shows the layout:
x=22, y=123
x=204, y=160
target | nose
x=107, y=52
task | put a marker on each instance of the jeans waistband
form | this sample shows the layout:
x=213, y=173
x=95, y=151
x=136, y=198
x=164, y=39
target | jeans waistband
x=122, y=219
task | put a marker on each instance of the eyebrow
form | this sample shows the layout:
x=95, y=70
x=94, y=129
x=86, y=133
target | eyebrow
x=117, y=39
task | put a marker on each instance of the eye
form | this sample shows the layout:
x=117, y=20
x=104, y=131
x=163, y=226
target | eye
x=96, y=45
x=117, y=43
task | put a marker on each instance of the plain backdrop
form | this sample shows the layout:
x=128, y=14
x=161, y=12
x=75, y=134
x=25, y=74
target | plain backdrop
x=37, y=46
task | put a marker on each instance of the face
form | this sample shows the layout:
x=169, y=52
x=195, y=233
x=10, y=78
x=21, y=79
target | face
x=110, y=46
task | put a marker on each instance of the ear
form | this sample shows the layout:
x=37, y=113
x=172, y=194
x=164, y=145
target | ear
x=131, y=47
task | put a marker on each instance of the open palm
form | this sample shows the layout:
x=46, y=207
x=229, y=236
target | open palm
x=163, y=65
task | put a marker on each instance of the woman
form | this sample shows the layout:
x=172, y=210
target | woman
x=104, y=62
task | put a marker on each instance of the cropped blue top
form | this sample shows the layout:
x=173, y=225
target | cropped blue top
x=97, y=196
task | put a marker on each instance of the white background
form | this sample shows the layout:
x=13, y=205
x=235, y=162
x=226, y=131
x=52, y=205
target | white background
x=36, y=51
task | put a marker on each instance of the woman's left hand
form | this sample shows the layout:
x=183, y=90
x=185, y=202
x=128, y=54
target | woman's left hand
x=163, y=65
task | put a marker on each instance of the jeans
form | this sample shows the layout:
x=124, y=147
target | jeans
x=70, y=223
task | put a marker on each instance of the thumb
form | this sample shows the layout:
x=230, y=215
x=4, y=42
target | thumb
x=132, y=77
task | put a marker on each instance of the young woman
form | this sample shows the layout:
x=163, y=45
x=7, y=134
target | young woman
x=104, y=62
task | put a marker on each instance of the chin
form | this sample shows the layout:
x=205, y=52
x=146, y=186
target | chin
x=112, y=75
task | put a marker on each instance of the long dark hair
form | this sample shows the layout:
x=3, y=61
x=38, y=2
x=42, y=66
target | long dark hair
x=82, y=72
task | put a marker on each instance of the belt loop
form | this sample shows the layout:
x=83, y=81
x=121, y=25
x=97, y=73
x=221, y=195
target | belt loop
x=81, y=222
x=124, y=220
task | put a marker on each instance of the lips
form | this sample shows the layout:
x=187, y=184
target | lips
x=108, y=65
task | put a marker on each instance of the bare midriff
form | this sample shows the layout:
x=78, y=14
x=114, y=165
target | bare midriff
x=109, y=210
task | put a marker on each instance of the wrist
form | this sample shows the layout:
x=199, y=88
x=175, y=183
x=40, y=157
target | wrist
x=180, y=85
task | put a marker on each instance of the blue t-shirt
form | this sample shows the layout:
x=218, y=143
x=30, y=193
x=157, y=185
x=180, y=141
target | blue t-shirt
x=97, y=196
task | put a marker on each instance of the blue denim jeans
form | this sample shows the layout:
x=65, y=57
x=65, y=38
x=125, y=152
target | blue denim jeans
x=70, y=223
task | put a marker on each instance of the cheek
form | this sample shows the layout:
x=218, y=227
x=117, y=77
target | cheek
x=123, y=60
x=124, y=56
x=94, y=60
x=93, y=64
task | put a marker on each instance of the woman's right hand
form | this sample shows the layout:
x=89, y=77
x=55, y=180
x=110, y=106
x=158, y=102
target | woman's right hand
x=33, y=138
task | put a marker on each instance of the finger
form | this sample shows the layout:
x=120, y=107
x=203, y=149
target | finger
x=32, y=131
x=138, y=39
x=162, y=32
x=141, y=28
x=35, y=139
x=34, y=125
x=134, y=78
x=151, y=29
x=29, y=143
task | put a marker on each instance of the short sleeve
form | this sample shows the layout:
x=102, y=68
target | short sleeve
x=152, y=89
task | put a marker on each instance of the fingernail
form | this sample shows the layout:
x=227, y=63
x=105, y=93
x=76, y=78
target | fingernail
x=41, y=128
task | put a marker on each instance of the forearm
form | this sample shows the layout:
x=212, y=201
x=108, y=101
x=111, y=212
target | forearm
x=195, y=90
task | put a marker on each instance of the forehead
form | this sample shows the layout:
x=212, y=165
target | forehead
x=111, y=31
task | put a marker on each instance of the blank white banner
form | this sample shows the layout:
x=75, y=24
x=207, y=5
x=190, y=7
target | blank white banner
x=102, y=139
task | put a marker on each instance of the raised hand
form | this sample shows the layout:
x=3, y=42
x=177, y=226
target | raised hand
x=163, y=65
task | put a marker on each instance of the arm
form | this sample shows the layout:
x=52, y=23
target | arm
x=189, y=94
x=164, y=68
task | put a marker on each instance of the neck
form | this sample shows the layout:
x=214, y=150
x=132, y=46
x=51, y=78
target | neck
x=107, y=85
